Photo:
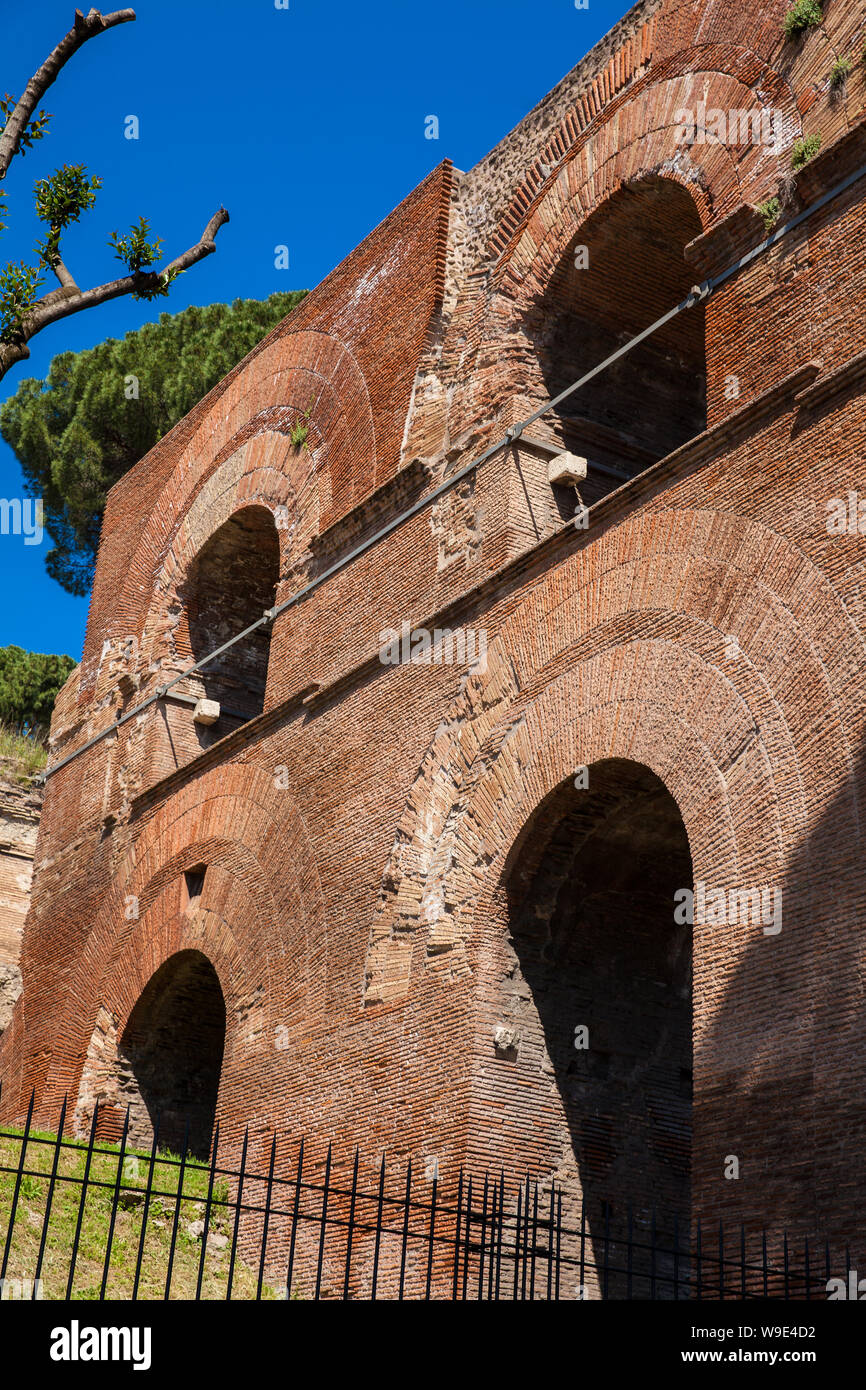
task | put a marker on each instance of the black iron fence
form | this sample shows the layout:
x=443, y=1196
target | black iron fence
x=89, y=1219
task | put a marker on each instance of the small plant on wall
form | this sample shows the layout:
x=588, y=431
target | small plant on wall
x=803, y=15
x=770, y=212
x=299, y=433
x=839, y=74
x=804, y=149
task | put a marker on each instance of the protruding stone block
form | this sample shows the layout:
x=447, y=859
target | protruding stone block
x=566, y=470
x=206, y=712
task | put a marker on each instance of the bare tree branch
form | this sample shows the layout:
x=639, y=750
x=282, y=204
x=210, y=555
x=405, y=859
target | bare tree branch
x=63, y=274
x=85, y=27
x=69, y=299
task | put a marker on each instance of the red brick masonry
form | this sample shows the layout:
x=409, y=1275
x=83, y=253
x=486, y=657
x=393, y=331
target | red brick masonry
x=407, y=906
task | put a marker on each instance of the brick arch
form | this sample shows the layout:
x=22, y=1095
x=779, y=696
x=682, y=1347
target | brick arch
x=591, y=155
x=266, y=472
x=480, y=808
x=626, y=658
x=300, y=371
x=262, y=906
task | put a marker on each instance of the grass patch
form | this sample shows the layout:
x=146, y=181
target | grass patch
x=300, y=431
x=769, y=212
x=65, y=1206
x=805, y=14
x=804, y=149
x=839, y=74
x=23, y=753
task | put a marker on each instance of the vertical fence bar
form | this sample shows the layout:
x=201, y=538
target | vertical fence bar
x=558, y=1239
x=499, y=1230
x=17, y=1188
x=267, y=1221
x=582, y=1245
x=785, y=1251
x=517, y=1240
x=676, y=1257
x=80, y=1220
x=175, y=1221
x=534, y=1243
x=700, y=1261
x=550, y=1228
x=456, y=1271
x=495, y=1210
x=238, y=1202
x=848, y=1272
x=606, y=1206
x=483, y=1239
x=524, y=1254
x=764, y=1259
x=808, y=1280
x=295, y=1210
x=324, y=1225
x=405, y=1241
x=630, y=1240
x=721, y=1262
x=145, y=1209
x=50, y=1198
x=494, y=1228
x=352, y=1200
x=431, y=1236
x=467, y=1227
x=207, y=1207
x=378, y=1225
x=115, y=1199
x=742, y=1260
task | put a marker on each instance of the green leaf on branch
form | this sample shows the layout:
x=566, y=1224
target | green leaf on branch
x=136, y=252
x=60, y=200
x=34, y=131
x=156, y=287
x=18, y=286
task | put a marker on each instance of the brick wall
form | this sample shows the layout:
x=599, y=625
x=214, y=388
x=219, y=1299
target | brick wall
x=19, y=822
x=704, y=634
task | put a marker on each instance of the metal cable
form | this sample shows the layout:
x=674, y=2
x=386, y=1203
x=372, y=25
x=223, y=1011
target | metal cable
x=698, y=294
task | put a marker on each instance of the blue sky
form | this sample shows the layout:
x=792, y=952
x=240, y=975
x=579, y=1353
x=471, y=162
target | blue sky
x=307, y=123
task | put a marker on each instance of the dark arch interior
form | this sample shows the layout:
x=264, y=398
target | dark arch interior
x=231, y=582
x=171, y=1053
x=654, y=399
x=590, y=890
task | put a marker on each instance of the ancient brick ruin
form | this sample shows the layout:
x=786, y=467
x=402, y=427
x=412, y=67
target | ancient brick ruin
x=19, y=822
x=377, y=903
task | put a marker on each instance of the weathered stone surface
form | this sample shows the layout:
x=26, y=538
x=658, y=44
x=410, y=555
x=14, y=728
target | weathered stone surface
x=10, y=988
x=19, y=823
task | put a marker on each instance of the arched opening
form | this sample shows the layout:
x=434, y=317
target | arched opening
x=599, y=996
x=170, y=1053
x=625, y=269
x=231, y=582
